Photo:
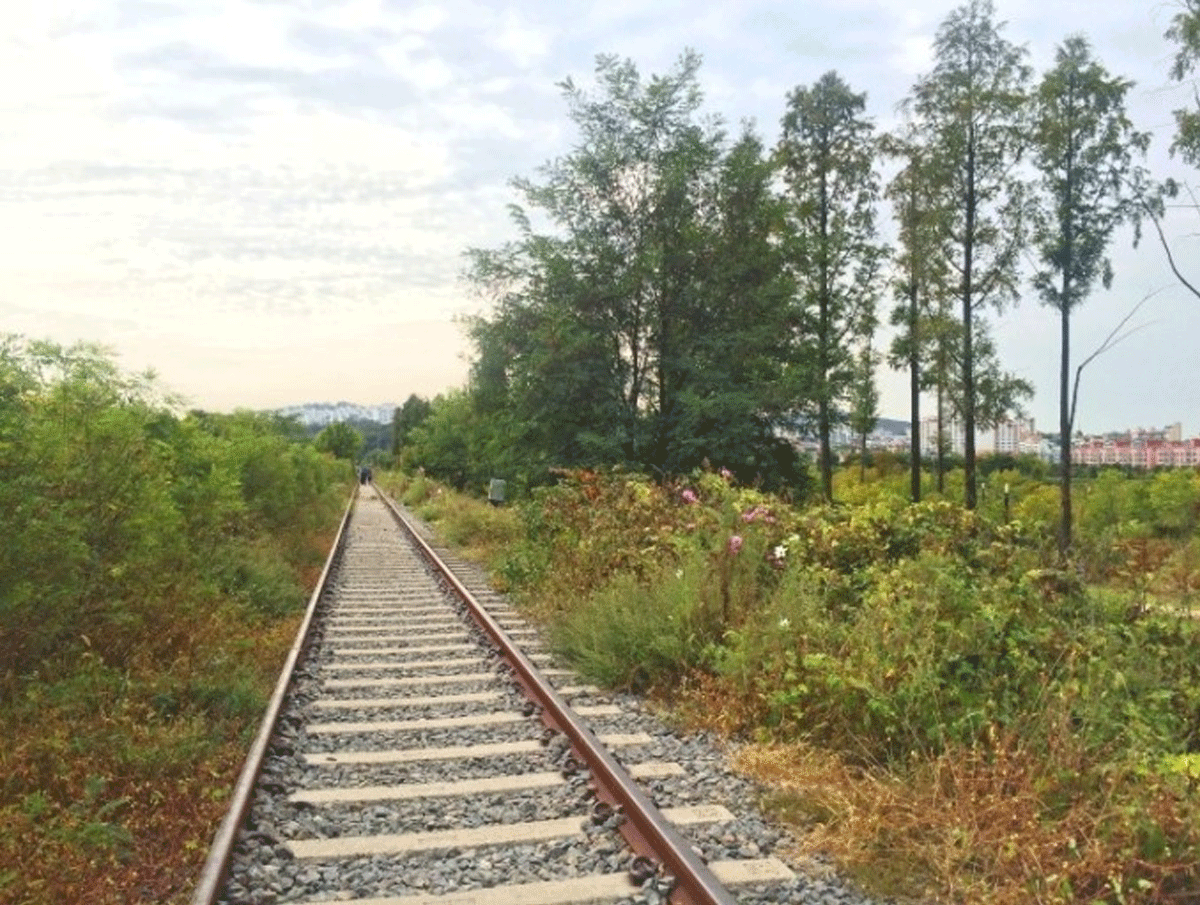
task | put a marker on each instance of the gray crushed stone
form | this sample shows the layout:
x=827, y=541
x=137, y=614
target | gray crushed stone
x=263, y=870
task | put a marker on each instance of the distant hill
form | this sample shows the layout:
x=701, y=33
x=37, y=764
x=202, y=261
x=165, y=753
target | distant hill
x=891, y=426
x=320, y=414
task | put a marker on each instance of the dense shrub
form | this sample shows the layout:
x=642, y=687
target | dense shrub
x=940, y=644
x=152, y=572
x=119, y=507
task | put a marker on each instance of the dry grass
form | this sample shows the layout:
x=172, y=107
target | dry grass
x=1005, y=825
x=833, y=810
x=167, y=828
x=1026, y=817
x=107, y=803
x=112, y=783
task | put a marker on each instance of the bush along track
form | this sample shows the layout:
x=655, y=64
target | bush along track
x=938, y=703
x=150, y=584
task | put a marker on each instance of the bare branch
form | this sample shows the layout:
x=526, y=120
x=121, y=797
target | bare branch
x=1110, y=341
x=1167, y=248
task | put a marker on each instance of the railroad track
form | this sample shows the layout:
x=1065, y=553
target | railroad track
x=408, y=758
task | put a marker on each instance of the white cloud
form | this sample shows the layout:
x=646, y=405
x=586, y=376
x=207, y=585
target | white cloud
x=523, y=43
x=425, y=75
x=201, y=183
x=255, y=35
x=426, y=18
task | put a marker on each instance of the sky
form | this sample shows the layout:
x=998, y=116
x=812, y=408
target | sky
x=267, y=201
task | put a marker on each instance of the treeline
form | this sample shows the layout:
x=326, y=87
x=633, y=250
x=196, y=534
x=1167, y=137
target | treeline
x=122, y=516
x=679, y=293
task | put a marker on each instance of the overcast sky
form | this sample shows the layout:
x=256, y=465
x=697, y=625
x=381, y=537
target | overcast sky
x=267, y=202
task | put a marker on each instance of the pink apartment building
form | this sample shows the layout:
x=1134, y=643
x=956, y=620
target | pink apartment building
x=1139, y=449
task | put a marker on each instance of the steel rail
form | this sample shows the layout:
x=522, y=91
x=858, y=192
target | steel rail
x=216, y=867
x=644, y=828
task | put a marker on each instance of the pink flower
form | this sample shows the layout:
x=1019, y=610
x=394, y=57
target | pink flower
x=689, y=496
x=735, y=543
x=758, y=512
x=727, y=474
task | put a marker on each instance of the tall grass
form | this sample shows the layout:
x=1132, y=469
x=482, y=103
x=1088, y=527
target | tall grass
x=637, y=635
x=479, y=529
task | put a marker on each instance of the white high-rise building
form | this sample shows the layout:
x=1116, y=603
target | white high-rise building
x=1015, y=437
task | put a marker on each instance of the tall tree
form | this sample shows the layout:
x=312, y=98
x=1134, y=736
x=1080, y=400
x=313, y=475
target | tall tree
x=919, y=286
x=827, y=155
x=971, y=109
x=575, y=309
x=406, y=417
x=1084, y=149
x=644, y=326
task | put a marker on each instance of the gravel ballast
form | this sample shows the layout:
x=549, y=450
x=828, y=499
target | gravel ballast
x=265, y=867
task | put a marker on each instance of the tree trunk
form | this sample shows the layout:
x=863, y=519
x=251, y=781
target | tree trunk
x=824, y=328
x=914, y=394
x=824, y=427
x=1064, y=429
x=941, y=441
x=968, y=351
x=1065, y=413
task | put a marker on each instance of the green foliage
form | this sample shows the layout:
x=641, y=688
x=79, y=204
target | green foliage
x=595, y=525
x=1084, y=147
x=410, y=415
x=464, y=447
x=634, y=634
x=864, y=408
x=256, y=579
x=1173, y=503
x=934, y=653
x=1185, y=32
x=648, y=326
x=1116, y=504
x=828, y=160
x=885, y=628
x=340, y=440
x=470, y=522
x=119, y=506
x=149, y=560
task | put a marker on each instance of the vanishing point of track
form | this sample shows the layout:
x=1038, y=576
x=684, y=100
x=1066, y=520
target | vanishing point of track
x=414, y=754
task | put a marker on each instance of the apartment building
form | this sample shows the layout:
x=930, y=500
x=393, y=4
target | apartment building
x=1139, y=448
x=1014, y=437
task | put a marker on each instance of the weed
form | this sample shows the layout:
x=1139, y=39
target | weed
x=637, y=634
